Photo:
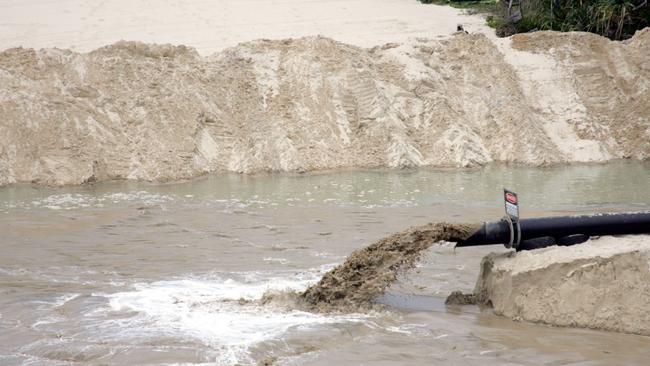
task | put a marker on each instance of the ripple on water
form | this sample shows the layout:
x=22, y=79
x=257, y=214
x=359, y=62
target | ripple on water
x=72, y=201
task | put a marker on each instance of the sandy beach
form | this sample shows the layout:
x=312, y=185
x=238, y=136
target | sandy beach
x=210, y=26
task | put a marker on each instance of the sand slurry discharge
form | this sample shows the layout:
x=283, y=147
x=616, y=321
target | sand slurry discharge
x=368, y=272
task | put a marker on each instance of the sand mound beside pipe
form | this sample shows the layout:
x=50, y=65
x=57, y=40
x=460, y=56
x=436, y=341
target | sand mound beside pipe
x=602, y=284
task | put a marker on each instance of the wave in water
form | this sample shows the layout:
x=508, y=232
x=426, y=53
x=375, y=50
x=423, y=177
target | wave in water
x=219, y=312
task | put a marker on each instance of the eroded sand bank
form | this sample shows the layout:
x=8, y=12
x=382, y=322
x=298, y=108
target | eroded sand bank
x=601, y=284
x=162, y=112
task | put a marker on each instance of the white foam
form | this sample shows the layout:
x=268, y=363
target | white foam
x=276, y=260
x=410, y=329
x=209, y=310
x=71, y=201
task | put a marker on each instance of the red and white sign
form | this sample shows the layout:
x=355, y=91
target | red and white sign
x=512, y=204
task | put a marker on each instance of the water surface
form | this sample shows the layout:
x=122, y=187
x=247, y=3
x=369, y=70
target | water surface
x=138, y=273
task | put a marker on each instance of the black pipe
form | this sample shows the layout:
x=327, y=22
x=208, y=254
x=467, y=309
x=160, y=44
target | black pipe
x=498, y=232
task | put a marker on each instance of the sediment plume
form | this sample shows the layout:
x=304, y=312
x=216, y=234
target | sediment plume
x=160, y=112
x=368, y=272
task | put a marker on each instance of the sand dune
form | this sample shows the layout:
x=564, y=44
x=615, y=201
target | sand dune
x=139, y=111
x=372, y=95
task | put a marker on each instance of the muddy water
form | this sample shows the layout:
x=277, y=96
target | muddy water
x=169, y=274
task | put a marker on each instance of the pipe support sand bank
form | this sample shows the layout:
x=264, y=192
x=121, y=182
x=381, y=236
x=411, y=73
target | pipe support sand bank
x=602, y=284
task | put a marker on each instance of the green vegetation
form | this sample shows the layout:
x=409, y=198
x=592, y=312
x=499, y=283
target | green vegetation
x=615, y=19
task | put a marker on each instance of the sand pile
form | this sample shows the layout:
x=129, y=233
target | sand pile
x=160, y=112
x=367, y=273
x=601, y=284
